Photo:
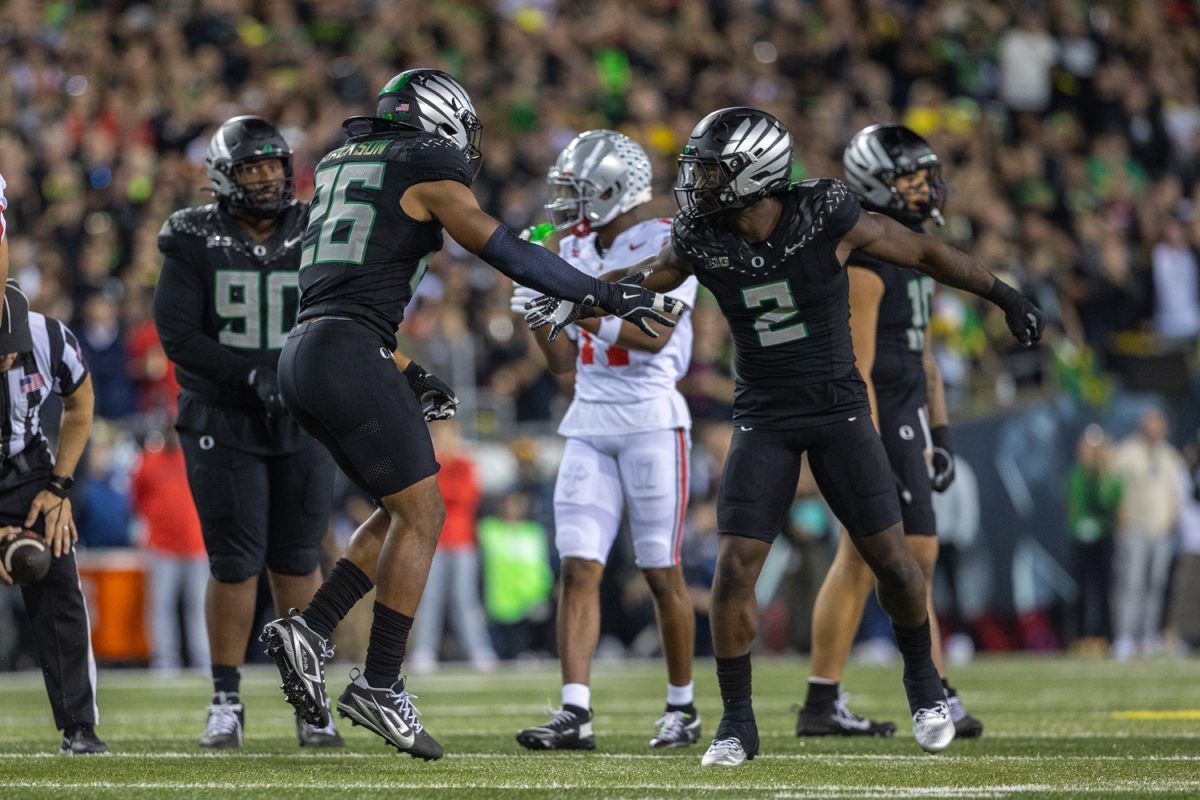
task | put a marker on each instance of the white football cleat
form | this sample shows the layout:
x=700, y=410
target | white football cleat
x=933, y=727
x=724, y=753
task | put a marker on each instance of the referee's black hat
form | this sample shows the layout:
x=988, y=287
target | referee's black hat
x=15, y=336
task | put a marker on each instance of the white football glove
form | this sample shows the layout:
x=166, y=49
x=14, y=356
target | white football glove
x=521, y=297
x=559, y=314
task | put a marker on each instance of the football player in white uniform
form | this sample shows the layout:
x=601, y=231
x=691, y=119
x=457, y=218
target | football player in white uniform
x=628, y=437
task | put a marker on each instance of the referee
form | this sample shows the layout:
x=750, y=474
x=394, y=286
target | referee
x=39, y=356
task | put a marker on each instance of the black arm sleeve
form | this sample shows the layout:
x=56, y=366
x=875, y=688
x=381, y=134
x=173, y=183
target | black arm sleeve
x=179, y=316
x=536, y=267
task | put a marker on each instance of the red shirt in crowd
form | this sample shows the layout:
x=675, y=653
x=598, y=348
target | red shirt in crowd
x=461, y=493
x=162, y=497
x=151, y=370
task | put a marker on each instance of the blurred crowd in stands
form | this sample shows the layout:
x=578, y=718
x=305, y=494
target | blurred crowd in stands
x=1069, y=131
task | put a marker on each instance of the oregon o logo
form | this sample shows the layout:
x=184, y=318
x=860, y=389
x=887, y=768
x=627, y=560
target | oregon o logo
x=906, y=433
x=207, y=442
x=757, y=262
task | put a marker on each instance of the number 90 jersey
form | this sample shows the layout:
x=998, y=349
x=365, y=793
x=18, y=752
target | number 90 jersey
x=787, y=301
x=363, y=256
x=619, y=391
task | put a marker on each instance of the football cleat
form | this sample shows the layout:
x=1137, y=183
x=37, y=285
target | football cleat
x=567, y=730
x=226, y=722
x=965, y=726
x=734, y=744
x=312, y=736
x=933, y=727
x=300, y=655
x=676, y=729
x=839, y=720
x=389, y=714
x=81, y=740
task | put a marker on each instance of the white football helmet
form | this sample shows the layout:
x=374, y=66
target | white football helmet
x=597, y=177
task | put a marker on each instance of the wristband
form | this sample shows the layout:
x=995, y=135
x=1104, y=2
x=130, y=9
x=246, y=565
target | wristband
x=1002, y=294
x=941, y=437
x=414, y=371
x=60, y=485
x=610, y=329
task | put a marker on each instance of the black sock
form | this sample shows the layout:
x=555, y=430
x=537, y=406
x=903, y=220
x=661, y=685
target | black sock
x=733, y=676
x=948, y=689
x=689, y=709
x=385, y=651
x=922, y=683
x=345, y=586
x=821, y=695
x=227, y=679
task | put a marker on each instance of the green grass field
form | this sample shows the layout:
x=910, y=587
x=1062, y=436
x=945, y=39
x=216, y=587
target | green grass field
x=1055, y=728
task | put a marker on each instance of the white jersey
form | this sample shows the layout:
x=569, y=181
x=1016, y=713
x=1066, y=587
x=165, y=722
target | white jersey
x=620, y=391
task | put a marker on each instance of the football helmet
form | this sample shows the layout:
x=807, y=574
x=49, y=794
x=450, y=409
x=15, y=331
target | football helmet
x=877, y=155
x=734, y=157
x=597, y=177
x=432, y=101
x=241, y=140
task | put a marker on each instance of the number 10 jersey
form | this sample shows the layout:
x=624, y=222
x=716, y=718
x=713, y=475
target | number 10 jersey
x=362, y=256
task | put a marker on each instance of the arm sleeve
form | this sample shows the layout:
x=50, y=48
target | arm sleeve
x=70, y=369
x=536, y=267
x=179, y=317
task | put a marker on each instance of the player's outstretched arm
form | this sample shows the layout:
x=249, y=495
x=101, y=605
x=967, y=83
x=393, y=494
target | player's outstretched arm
x=455, y=207
x=886, y=239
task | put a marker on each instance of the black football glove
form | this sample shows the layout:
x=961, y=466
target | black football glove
x=1023, y=317
x=639, y=306
x=437, y=399
x=942, y=464
x=266, y=385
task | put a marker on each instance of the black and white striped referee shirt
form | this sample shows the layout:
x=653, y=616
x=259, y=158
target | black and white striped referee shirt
x=55, y=365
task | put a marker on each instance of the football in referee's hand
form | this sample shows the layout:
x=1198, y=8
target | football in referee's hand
x=25, y=556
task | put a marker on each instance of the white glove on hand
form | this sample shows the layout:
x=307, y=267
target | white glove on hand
x=521, y=297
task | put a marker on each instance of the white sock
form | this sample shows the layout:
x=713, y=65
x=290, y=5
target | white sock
x=577, y=694
x=681, y=695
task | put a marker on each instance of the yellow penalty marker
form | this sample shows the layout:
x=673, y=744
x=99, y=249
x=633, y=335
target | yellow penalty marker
x=1193, y=713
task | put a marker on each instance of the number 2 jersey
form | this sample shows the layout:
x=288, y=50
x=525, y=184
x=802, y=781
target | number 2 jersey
x=787, y=301
x=363, y=256
x=618, y=390
x=222, y=306
x=904, y=309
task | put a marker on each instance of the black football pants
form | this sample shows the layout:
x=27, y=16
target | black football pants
x=55, y=605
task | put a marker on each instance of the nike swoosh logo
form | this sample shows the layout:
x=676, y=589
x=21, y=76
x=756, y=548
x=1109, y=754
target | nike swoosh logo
x=394, y=722
x=628, y=296
x=636, y=246
x=288, y=243
x=787, y=251
x=744, y=428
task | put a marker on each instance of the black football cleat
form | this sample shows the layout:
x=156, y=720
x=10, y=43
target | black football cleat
x=300, y=654
x=313, y=737
x=569, y=728
x=390, y=715
x=226, y=723
x=676, y=729
x=735, y=743
x=81, y=740
x=839, y=720
x=965, y=726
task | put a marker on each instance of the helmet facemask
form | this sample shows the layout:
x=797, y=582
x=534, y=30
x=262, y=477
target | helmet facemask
x=704, y=186
x=262, y=197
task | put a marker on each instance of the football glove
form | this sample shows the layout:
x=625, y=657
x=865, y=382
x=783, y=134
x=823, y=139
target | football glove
x=544, y=310
x=942, y=464
x=437, y=399
x=266, y=385
x=1024, y=319
x=639, y=306
x=522, y=296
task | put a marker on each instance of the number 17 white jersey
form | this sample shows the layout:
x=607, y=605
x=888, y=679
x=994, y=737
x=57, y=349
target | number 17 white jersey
x=618, y=390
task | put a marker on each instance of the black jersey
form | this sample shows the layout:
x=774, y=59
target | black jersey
x=904, y=310
x=363, y=256
x=787, y=301
x=223, y=305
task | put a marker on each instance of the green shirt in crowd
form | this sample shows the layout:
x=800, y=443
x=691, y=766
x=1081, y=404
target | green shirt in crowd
x=516, y=568
x=1092, y=501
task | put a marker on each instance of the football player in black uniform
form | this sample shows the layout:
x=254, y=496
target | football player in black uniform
x=894, y=172
x=382, y=201
x=227, y=296
x=773, y=255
